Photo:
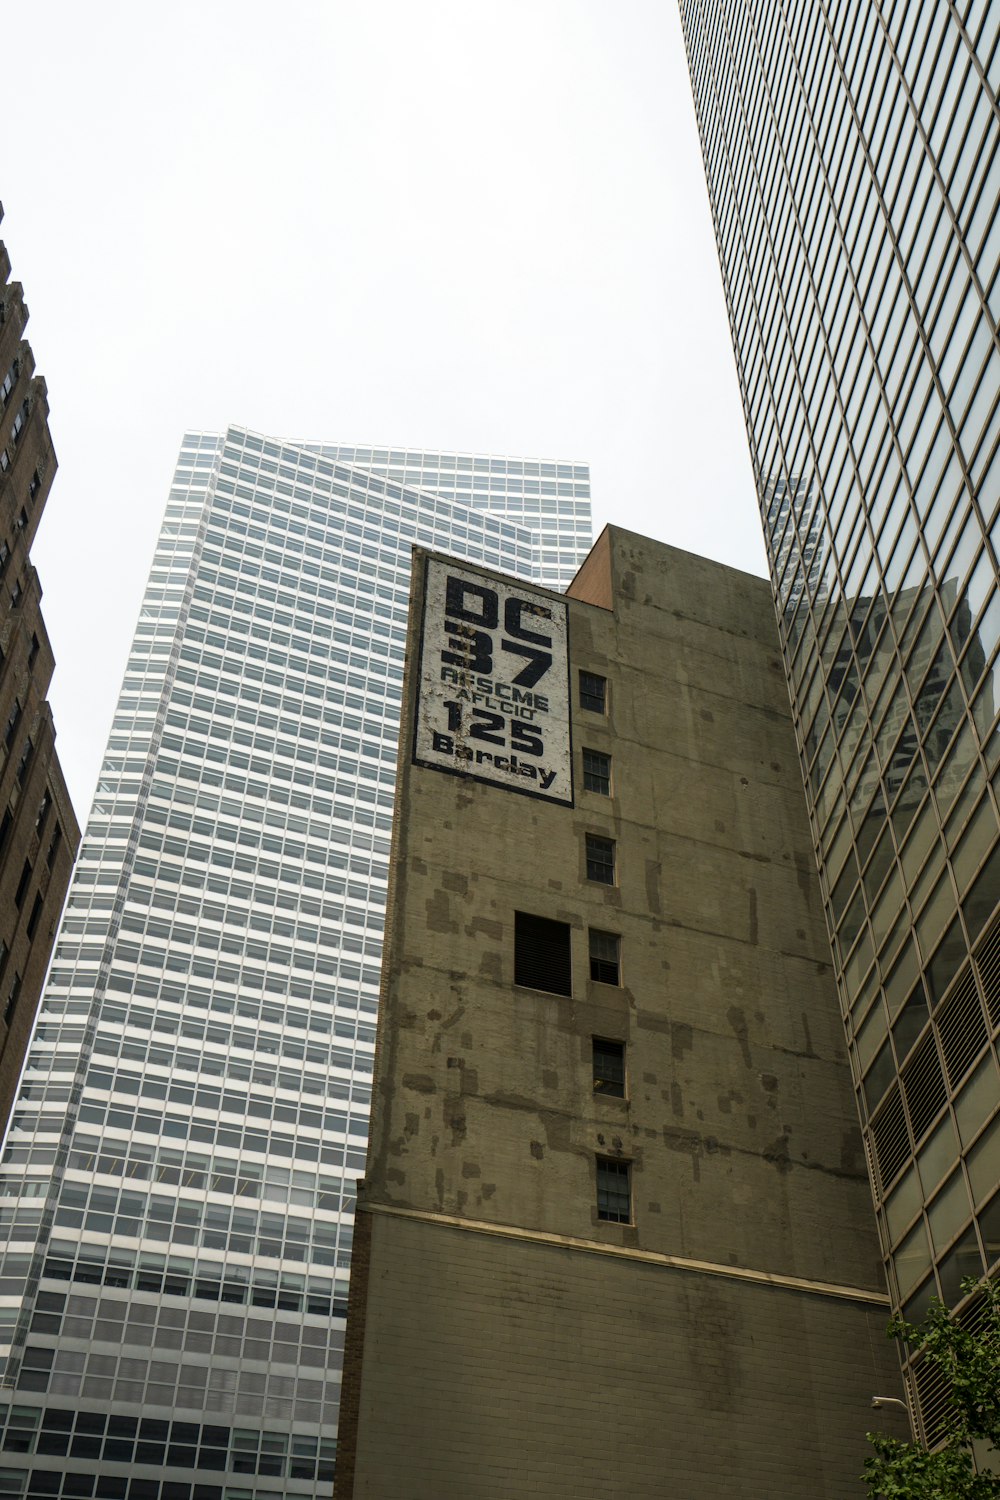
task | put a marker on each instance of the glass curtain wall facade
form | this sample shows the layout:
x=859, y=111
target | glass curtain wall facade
x=178, y=1181
x=851, y=152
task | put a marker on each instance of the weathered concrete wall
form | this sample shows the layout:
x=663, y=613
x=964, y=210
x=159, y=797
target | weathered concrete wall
x=496, y=1368
x=739, y=1116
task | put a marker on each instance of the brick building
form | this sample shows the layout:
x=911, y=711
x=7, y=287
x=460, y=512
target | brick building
x=39, y=834
x=615, y=1234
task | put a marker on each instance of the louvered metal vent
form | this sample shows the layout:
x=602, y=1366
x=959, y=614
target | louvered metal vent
x=933, y=1401
x=924, y=1085
x=541, y=954
x=961, y=1026
x=888, y=1133
x=987, y=960
x=870, y=1158
x=975, y=1313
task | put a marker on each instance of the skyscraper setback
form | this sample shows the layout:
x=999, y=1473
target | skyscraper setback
x=851, y=157
x=183, y=1153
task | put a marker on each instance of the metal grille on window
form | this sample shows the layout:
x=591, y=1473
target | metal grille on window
x=987, y=961
x=890, y=1138
x=961, y=1026
x=924, y=1086
x=933, y=1401
x=542, y=954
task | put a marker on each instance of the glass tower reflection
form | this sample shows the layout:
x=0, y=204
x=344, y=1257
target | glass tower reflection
x=851, y=156
x=178, y=1182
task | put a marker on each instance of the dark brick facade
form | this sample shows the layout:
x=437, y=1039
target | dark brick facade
x=39, y=833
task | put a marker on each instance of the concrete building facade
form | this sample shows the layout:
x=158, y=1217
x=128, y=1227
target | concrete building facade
x=39, y=835
x=851, y=152
x=615, y=1231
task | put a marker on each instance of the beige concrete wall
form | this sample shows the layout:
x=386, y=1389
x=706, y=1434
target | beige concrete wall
x=498, y=1369
x=739, y=1118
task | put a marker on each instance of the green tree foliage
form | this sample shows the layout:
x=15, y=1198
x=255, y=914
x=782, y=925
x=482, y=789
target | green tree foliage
x=969, y=1358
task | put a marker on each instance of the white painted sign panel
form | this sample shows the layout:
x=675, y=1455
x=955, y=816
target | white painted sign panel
x=493, y=694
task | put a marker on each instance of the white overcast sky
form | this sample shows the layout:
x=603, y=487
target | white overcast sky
x=466, y=224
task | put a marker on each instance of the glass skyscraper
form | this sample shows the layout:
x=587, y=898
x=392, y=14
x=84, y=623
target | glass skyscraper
x=179, y=1176
x=851, y=152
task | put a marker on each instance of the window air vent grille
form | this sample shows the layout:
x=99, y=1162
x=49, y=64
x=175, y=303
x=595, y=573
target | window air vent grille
x=924, y=1086
x=961, y=1026
x=987, y=958
x=933, y=1401
x=872, y=1161
x=891, y=1142
x=542, y=954
x=974, y=1314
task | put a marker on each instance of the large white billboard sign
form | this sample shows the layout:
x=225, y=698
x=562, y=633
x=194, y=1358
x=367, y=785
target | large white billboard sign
x=493, y=696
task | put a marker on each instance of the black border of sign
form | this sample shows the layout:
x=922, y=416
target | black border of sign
x=432, y=765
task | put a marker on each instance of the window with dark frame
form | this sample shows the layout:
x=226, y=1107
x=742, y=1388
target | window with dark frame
x=600, y=859
x=609, y=1067
x=24, y=762
x=12, y=999
x=22, y=885
x=43, y=810
x=597, y=772
x=36, y=912
x=50, y=858
x=605, y=956
x=593, y=693
x=13, y=719
x=614, y=1195
x=542, y=954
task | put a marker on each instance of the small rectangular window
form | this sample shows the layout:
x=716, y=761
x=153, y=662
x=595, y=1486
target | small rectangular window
x=614, y=1197
x=24, y=762
x=22, y=885
x=600, y=859
x=593, y=692
x=12, y=999
x=609, y=1067
x=597, y=772
x=605, y=957
x=542, y=954
x=50, y=858
x=13, y=719
x=43, y=810
x=36, y=912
